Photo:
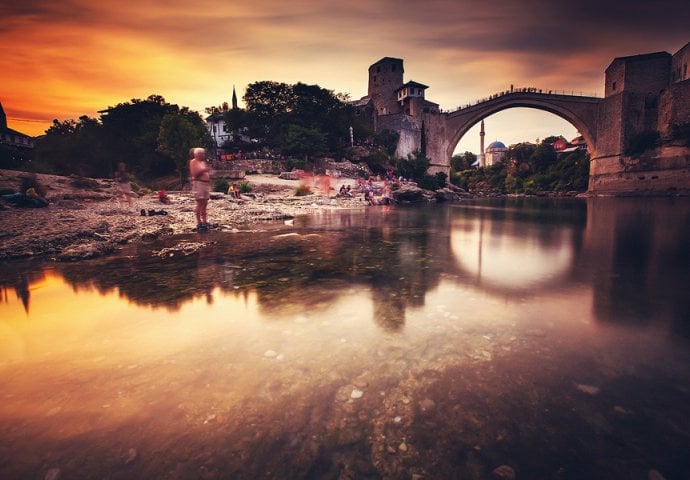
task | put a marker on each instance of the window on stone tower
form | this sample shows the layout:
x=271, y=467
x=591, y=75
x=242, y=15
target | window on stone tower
x=393, y=69
x=378, y=69
x=685, y=70
x=614, y=86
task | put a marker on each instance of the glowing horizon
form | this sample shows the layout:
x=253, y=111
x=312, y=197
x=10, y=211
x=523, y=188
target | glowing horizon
x=65, y=61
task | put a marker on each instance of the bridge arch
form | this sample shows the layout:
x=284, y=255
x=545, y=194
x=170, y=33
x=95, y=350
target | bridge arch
x=581, y=112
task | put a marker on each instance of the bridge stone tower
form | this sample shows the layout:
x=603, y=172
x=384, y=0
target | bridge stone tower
x=385, y=76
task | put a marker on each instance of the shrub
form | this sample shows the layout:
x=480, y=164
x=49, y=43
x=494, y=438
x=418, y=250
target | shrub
x=292, y=163
x=245, y=187
x=432, y=182
x=302, y=190
x=221, y=185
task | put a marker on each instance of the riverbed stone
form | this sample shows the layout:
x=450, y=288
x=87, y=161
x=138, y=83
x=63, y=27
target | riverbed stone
x=503, y=472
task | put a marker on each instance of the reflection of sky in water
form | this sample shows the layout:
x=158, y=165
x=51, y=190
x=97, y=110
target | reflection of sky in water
x=502, y=345
x=508, y=260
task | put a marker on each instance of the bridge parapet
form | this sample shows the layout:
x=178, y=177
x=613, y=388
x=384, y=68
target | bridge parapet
x=525, y=93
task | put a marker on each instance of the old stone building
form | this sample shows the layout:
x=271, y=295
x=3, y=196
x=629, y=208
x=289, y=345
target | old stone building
x=402, y=107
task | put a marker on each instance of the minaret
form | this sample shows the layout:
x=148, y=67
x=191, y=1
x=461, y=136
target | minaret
x=234, y=98
x=482, y=154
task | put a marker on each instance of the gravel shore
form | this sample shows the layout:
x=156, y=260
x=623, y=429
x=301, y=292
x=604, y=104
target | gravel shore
x=84, y=218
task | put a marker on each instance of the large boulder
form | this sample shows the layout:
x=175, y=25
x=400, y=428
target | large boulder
x=450, y=194
x=411, y=193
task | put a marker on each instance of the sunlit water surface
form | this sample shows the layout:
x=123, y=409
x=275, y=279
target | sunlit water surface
x=551, y=337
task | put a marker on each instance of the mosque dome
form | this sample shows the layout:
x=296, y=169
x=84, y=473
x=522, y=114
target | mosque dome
x=496, y=145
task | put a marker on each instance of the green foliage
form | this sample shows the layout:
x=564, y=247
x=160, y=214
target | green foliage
x=569, y=172
x=542, y=158
x=642, y=142
x=273, y=107
x=302, y=190
x=388, y=139
x=12, y=157
x=177, y=135
x=413, y=167
x=304, y=141
x=72, y=147
x=292, y=163
x=513, y=184
x=245, y=187
x=462, y=162
x=144, y=134
x=521, y=152
x=221, y=185
x=378, y=162
x=432, y=182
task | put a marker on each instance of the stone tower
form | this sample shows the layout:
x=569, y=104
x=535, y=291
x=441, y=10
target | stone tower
x=385, y=76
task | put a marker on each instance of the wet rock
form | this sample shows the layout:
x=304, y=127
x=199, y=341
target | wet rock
x=588, y=389
x=654, y=475
x=84, y=251
x=409, y=193
x=504, y=472
x=402, y=447
x=427, y=405
x=356, y=393
x=132, y=455
x=53, y=474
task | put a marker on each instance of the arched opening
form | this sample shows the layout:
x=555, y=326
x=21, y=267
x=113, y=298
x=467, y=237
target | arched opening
x=515, y=125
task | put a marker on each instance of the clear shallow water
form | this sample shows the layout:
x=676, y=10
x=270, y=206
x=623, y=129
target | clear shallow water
x=552, y=337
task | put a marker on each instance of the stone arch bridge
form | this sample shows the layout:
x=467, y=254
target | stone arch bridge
x=580, y=111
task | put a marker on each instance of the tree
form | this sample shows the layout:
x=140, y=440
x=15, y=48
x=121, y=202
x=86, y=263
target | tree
x=272, y=107
x=542, y=157
x=176, y=137
x=462, y=162
x=414, y=166
x=131, y=134
x=306, y=142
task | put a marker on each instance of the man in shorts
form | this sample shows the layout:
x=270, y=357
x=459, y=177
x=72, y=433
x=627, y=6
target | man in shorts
x=199, y=171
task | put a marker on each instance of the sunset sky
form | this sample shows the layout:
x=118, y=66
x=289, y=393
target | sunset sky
x=67, y=58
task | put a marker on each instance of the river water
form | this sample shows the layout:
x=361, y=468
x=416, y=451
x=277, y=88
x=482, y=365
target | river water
x=550, y=338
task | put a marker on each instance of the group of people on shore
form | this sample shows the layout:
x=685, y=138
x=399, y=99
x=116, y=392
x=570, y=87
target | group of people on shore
x=200, y=172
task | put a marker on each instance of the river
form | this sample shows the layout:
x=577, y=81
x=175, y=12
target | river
x=541, y=337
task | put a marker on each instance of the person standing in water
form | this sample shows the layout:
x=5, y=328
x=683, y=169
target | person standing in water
x=200, y=173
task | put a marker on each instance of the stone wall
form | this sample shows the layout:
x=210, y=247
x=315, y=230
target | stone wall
x=238, y=168
x=664, y=170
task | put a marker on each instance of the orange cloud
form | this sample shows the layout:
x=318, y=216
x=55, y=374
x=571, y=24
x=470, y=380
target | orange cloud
x=75, y=58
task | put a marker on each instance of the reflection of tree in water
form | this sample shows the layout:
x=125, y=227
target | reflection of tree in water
x=19, y=279
x=287, y=272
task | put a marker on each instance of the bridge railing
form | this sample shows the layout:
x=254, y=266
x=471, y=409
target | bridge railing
x=539, y=91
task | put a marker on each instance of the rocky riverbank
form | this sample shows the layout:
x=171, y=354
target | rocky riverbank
x=84, y=218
